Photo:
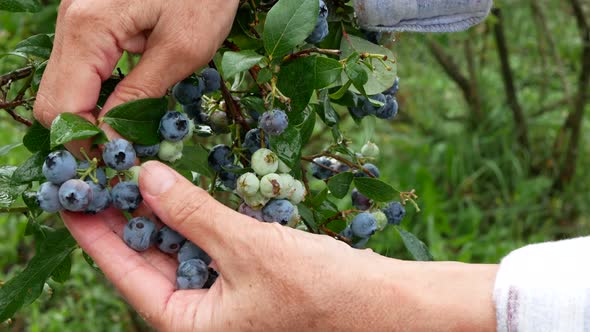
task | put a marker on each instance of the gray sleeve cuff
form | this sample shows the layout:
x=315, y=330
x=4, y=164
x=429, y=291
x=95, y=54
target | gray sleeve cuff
x=421, y=15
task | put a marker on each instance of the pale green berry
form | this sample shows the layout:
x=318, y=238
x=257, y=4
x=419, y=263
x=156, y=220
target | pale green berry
x=133, y=174
x=256, y=201
x=191, y=131
x=381, y=220
x=283, y=168
x=248, y=184
x=370, y=150
x=270, y=185
x=170, y=151
x=298, y=194
x=295, y=218
x=264, y=161
x=287, y=186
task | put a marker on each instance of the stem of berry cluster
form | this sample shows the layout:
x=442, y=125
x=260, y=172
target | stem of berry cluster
x=235, y=111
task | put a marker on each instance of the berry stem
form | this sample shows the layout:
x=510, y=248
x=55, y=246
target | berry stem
x=235, y=112
x=335, y=235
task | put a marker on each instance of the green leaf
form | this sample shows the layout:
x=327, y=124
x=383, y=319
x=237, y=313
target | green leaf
x=288, y=24
x=375, y=189
x=253, y=103
x=416, y=247
x=69, y=127
x=38, y=75
x=379, y=79
x=29, y=283
x=61, y=273
x=37, y=45
x=9, y=190
x=264, y=75
x=7, y=148
x=138, y=120
x=288, y=146
x=236, y=62
x=307, y=126
x=194, y=158
x=327, y=71
x=31, y=6
x=326, y=110
x=31, y=170
x=37, y=138
x=30, y=200
x=307, y=216
x=356, y=73
x=296, y=80
x=340, y=184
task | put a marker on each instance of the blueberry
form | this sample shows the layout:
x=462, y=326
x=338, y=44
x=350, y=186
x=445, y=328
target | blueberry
x=394, y=88
x=371, y=169
x=170, y=151
x=246, y=210
x=75, y=195
x=192, y=274
x=219, y=122
x=146, y=150
x=389, y=110
x=229, y=176
x=320, y=32
x=48, y=198
x=212, y=277
x=220, y=156
x=190, y=250
x=363, y=225
x=358, y=112
x=187, y=93
x=372, y=36
x=395, y=212
x=253, y=141
x=119, y=154
x=370, y=150
x=323, y=10
x=140, y=233
x=101, y=198
x=278, y=210
x=247, y=184
x=347, y=232
x=264, y=161
x=212, y=80
x=169, y=241
x=298, y=192
x=99, y=173
x=126, y=196
x=372, y=109
x=59, y=167
x=256, y=201
x=323, y=173
x=174, y=126
x=274, y=122
x=271, y=185
x=194, y=111
x=361, y=243
x=360, y=201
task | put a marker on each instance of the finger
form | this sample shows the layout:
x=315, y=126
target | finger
x=192, y=212
x=145, y=287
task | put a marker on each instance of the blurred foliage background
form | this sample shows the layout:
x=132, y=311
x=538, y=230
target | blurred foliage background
x=491, y=134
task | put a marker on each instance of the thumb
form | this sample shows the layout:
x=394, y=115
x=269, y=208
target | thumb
x=191, y=211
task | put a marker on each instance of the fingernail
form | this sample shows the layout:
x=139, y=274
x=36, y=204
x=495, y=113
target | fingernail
x=155, y=178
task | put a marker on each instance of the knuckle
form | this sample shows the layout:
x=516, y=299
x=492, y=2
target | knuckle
x=191, y=208
x=125, y=91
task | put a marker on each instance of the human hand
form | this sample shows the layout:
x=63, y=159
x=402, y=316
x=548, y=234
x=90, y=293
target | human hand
x=174, y=37
x=273, y=277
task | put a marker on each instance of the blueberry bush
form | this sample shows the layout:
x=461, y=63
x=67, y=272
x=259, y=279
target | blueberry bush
x=238, y=128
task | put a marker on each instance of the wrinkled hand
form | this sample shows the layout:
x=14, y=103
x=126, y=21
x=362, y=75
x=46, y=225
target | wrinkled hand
x=174, y=37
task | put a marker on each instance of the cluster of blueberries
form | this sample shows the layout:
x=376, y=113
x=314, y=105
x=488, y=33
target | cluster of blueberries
x=383, y=105
x=367, y=223
x=321, y=30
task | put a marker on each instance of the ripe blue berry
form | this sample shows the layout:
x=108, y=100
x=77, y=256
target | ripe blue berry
x=323, y=10
x=101, y=198
x=220, y=156
x=126, y=196
x=253, y=141
x=187, y=93
x=174, y=126
x=363, y=225
x=146, y=150
x=59, y=167
x=212, y=80
x=140, y=233
x=274, y=122
x=360, y=201
x=190, y=250
x=278, y=210
x=169, y=241
x=246, y=210
x=347, y=232
x=219, y=122
x=371, y=169
x=100, y=173
x=48, y=197
x=370, y=108
x=75, y=195
x=192, y=274
x=212, y=277
x=194, y=111
x=119, y=154
x=323, y=173
x=389, y=110
x=394, y=88
x=320, y=32
x=395, y=212
x=229, y=176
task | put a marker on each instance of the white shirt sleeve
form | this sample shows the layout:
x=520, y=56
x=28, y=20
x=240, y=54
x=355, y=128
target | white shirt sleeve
x=544, y=287
x=420, y=15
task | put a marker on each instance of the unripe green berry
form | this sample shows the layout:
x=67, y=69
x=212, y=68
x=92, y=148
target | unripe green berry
x=298, y=194
x=370, y=150
x=248, y=184
x=256, y=201
x=270, y=185
x=191, y=131
x=287, y=185
x=134, y=174
x=264, y=161
x=295, y=218
x=170, y=151
x=381, y=220
x=283, y=168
